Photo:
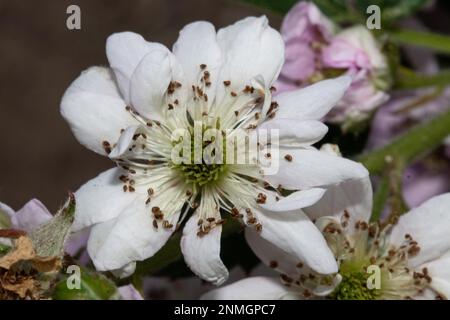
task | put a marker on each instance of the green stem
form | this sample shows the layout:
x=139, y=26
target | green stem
x=396, y=201
x=421, y=101
x=380, y=197
x=407, y=79
x=138, y=282
x=434, y=41
x=410, y=145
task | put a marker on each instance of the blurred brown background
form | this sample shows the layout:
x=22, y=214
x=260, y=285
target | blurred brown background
x=39, y=57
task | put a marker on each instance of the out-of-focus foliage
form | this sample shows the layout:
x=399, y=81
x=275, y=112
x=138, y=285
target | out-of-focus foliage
x=433, y=41
x=350, y=11
x=94, y=286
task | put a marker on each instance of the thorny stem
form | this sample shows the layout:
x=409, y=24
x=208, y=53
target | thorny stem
x=408, y=79
x=409, y=146
x=396, y=202
x=421, y=101
x=380, y=197
x=389, y=190
x=138, y=282
x=434, y=41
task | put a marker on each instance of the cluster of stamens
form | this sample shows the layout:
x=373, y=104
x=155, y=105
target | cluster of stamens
x=355, y=251
x=147, y=161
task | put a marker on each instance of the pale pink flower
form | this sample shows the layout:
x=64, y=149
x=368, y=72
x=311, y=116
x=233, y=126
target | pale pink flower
x=304, y=29
x=314, y=51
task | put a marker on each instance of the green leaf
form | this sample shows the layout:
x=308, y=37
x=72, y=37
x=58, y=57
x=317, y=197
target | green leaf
x=349, y=11
x=407, y=79
x=5, y=222
x=281, y=6
x=392, y=10
x=49, y=239
x=409, y=146
x=4, y=249
x=434, y=41
x=93, y=286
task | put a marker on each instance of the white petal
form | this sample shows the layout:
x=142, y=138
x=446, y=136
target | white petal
x=256, y=288
x=312, y=168
x=94, y=109
x=296, y=200
x=101, y=199
x=251, y=48
x=123, y=144
x=150, y=81
x=428, y=224
x=130, y=237
x=439, y=270
x=269, y=253
x=202, y=254
x=126, y=271
x=355, y=196
x=293, y=132
x=124, y=51
x=33, y=214
x=197, y=45
x=323, y=290
x=299, y=237
x=312, y=102
x=426, y=294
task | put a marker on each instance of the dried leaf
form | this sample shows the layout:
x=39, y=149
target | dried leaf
x=11, y=233
x=22, y=287
x=23, y=250
x=46, y=264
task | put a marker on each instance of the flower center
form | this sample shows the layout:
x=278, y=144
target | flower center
x=203, y=153
x=203, y=162
x=353, y=286
x=369, y=268
x=201, y=174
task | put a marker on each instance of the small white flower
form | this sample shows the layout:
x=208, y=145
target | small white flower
x=412, y=255
x=223, y=80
